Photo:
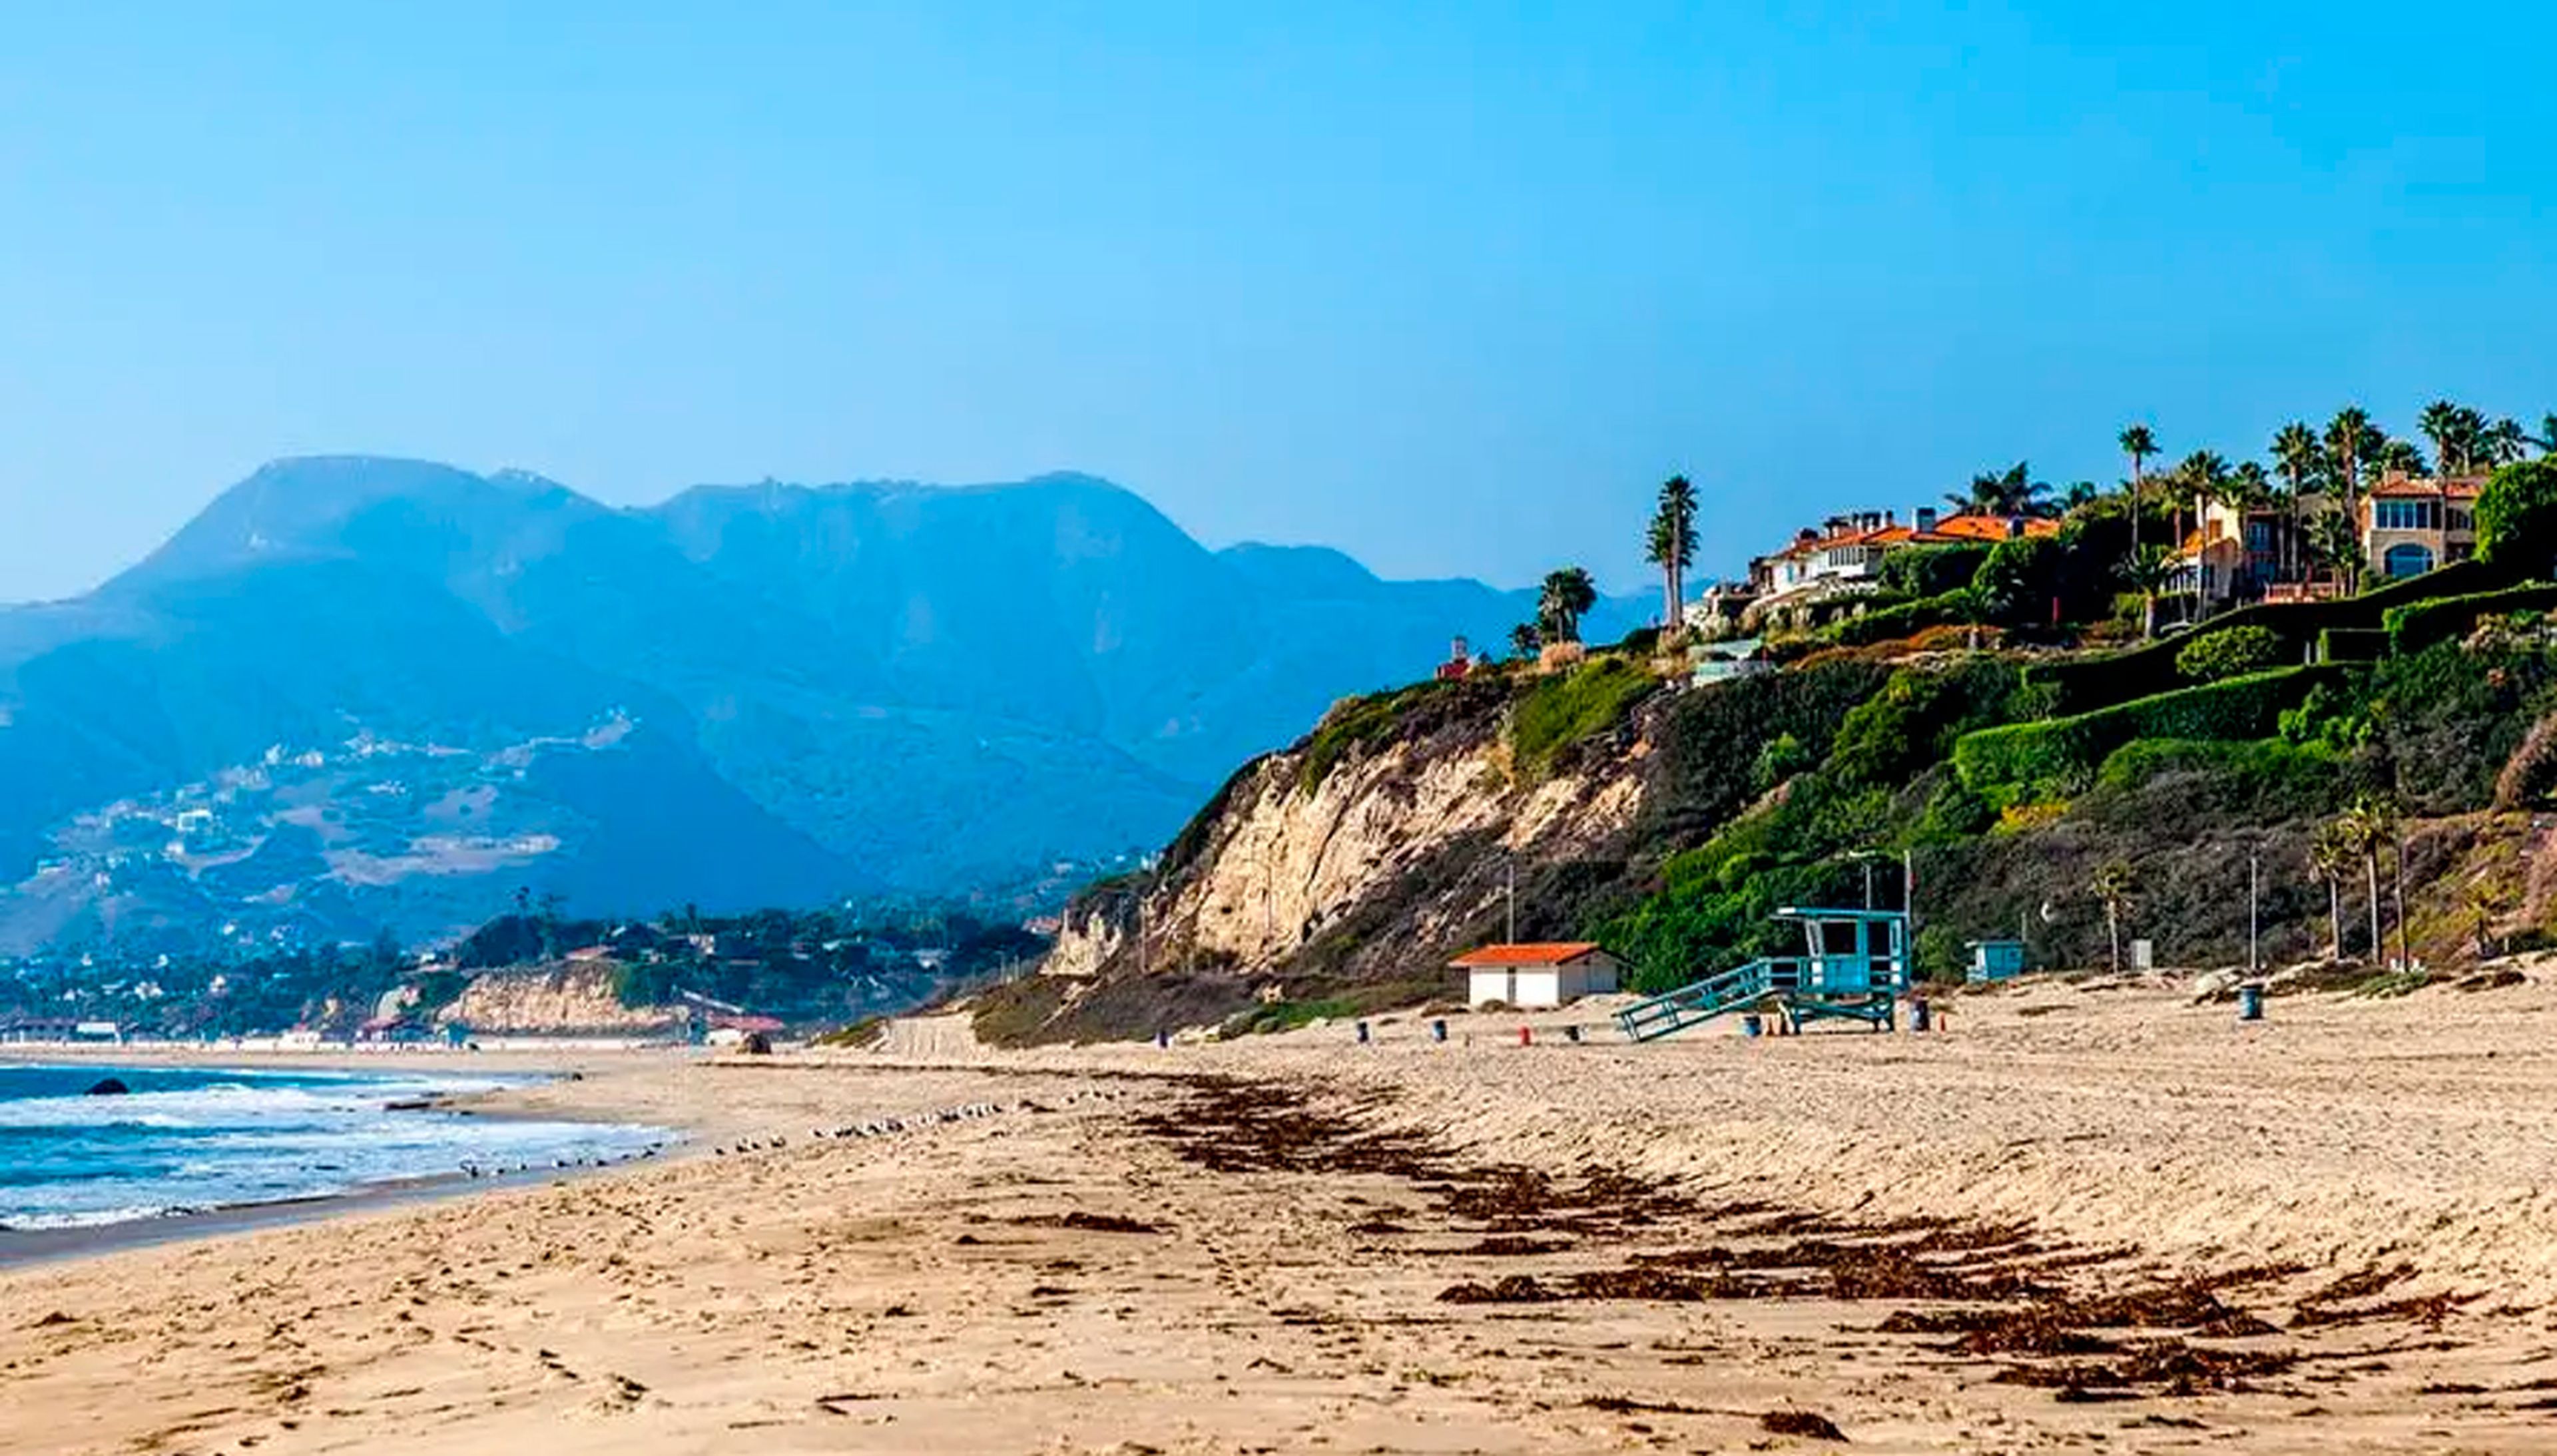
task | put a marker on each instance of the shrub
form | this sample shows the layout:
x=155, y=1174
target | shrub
x=1564, y=709
x=1901, y=619
x=1931, y=570
x=2020, y=578
x=2414, y=627
x=2230, y=652
x=1782, y=759
x=2272, y=777
x=2065, y=751
x=2516, y=518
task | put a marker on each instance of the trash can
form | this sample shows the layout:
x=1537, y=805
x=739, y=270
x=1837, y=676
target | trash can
x=1572, y=1034
x=1438, y=1031
x=1752, y=1024
x=1363, y=1033
x=1920, y=1018
x=2250, y=1004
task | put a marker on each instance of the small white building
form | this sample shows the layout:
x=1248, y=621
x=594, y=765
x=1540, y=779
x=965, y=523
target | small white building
x=1546, y=974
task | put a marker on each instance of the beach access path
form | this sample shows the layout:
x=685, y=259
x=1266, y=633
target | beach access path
x=2093, y=1218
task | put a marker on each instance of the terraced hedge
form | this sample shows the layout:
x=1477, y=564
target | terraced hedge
x=2067, y=750
x=2418, y=625
x=2085, y=684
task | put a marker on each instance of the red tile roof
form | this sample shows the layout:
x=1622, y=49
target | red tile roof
x=1544, y=953
x=2458, y=487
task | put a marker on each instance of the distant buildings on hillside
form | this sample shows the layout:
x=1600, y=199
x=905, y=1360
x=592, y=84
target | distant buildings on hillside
x=2403, y=525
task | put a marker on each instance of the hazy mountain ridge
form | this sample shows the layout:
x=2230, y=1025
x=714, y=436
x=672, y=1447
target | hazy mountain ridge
x=822, y=687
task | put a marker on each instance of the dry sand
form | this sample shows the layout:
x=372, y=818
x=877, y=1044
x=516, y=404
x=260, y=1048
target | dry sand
x=1706, y=1244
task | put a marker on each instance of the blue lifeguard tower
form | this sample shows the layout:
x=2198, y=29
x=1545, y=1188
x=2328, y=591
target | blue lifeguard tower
x=1855, y=968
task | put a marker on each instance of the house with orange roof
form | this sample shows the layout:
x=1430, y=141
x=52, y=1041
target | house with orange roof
x=1538, y=974
x=1843, y=556
x=2411, y=525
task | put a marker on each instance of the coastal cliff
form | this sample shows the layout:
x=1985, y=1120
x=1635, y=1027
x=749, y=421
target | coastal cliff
x=1354, y=862
x=2077, y=799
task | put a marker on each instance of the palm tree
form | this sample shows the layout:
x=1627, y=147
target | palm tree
x=2295, y=446
x=1672, y=544
x=2350, y=440
x=2115, y=885
x=2472, y=440
x=2365, y=828
x=2139, y=445
x=2009, y=492
x=2547, y=441
x=2149, y=570
x=2206, y=474
x=1526, y=640
x=2331, y=855
x=2400, y=456
x=1566, y=597
x=2442, y=423
x=2505, y=441
x=2336, y=542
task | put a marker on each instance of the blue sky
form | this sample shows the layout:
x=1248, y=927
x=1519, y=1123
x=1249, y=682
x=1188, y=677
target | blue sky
x=1451, y=286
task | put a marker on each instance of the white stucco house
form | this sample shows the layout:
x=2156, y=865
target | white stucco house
x=1545, y=974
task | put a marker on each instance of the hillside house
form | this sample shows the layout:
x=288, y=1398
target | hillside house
x=1544, y=974
x=1844, y=557
x=2409, y=526
x=2406, y=527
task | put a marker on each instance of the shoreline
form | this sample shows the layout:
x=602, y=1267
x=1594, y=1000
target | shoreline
x=2089, y=1216
x=22, y=1248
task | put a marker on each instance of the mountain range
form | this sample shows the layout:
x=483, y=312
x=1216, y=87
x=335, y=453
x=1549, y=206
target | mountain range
x=359, y=692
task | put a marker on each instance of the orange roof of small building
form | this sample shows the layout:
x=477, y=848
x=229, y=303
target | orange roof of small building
x=1537, y=953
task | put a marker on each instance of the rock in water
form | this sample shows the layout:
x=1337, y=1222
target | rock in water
x=109, y=1087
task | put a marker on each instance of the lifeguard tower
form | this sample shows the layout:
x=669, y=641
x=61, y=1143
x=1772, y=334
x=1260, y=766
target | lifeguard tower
x=1855, y=968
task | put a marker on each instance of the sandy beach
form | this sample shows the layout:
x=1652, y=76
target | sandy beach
x=2079, y=1216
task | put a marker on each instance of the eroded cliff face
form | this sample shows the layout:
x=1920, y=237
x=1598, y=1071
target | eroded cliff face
x=553, y=1000
x=1324, y=869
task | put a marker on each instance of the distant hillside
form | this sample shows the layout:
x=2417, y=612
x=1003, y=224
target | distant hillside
x=358, y=691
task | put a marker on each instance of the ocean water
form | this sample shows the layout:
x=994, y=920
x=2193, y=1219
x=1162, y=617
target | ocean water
x=191, y=1139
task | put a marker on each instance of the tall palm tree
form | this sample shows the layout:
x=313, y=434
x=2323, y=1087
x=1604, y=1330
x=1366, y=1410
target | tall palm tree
x=2295, y=446
x=2149, y=570
x=2350, y=440
x=2547, y=441
x=2365, y=828
x=2139, y=445
x=2115, y=885
x=1672, y=547
x=1566, y=597
x=2206, y=475
x=2331, y=855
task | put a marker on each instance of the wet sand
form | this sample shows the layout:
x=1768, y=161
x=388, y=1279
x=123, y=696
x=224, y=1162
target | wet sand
x=2095, y=1219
